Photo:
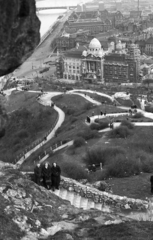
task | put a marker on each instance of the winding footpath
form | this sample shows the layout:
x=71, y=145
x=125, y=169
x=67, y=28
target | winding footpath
x=87, y=197
x=45, y=100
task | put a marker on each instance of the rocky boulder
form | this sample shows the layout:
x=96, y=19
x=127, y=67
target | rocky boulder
x=102, y=186
x=19, y=31
x=30, y=212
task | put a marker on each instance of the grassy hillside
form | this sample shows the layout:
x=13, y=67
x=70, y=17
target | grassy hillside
x=24, y=125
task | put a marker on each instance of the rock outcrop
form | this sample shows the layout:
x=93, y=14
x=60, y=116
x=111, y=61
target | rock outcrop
x=19, y=33
x=30, y=212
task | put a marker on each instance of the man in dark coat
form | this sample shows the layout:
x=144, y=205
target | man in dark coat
x=55, y=176
x=37, y=173
x=46, y=175
x=151, y=180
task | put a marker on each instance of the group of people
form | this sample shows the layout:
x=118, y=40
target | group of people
x=50, y=175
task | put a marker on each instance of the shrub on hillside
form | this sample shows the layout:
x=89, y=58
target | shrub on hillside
x=88, y=134
x=127, y=123
x=138, y=115
x=69, y=111
x=78, y=142
x=73, y=170
x=2, y=132
x=73, y=119
x=99, y=155
x=122, y=166
x=99, y=126
x=143, y=140
x=22, y=134
x=99, y=176
x=149, y=109
x=95, y=126
x=87, y=106
x=103, y=125
x=120, y=132
x=146, y=161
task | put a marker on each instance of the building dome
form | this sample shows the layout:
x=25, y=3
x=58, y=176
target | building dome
x=151, y=71
x=95, y=44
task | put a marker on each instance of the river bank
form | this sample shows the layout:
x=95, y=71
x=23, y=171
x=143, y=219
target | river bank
x=48, y=18
x=32, y=65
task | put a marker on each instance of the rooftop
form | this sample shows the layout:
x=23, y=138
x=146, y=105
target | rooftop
x=150, y=40
x=75, y=52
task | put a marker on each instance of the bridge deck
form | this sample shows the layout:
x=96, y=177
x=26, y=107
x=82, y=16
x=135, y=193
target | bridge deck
x=56, y=7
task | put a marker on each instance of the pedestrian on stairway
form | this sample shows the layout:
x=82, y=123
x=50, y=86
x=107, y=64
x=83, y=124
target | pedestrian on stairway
x=46, y=175
x=55, y=176
x=37, y=173
x=151, y=181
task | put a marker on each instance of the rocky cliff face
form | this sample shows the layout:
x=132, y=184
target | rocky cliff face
x=19, y=32
x=30, y=212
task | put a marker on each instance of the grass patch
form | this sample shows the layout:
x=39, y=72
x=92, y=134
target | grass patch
x=23, y=127
x=124, y=102
x=87, y=134
x=124, y=158
x=19, y=100
x=73, y=170
x=99, y=98
x=74, y=124
x=78, y=142
x=124, y=231
x=71, y=103
x=120, y=132
x=99, y=125
x=127, y=124
x=149, y=108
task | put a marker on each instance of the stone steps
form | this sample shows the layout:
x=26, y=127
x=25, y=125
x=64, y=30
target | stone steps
x=79, y=201
x=85, y=203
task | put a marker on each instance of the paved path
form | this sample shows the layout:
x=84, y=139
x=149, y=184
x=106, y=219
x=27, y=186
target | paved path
x=46, y=101
x=88, y=98
x=90, y=91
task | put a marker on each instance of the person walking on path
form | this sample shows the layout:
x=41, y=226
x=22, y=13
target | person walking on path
x=46, y=175
x=55, y=176
x=37, y=173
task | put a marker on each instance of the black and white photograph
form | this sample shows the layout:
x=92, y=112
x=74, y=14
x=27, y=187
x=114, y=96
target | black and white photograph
x=76, y=119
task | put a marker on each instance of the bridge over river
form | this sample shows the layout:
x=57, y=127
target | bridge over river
x=56, y=4
x=55, y=7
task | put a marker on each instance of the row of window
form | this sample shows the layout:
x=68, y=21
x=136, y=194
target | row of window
x=72, y=71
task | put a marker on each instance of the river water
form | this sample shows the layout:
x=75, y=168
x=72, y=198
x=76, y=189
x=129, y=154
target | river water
x=48, y=17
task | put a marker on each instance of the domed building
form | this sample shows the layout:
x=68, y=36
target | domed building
x=92, y=62
x=82, y=63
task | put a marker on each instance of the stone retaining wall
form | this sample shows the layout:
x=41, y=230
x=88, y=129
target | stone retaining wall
x=113, y=201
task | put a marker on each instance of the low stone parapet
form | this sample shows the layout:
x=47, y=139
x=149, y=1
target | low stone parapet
x=111, y=200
